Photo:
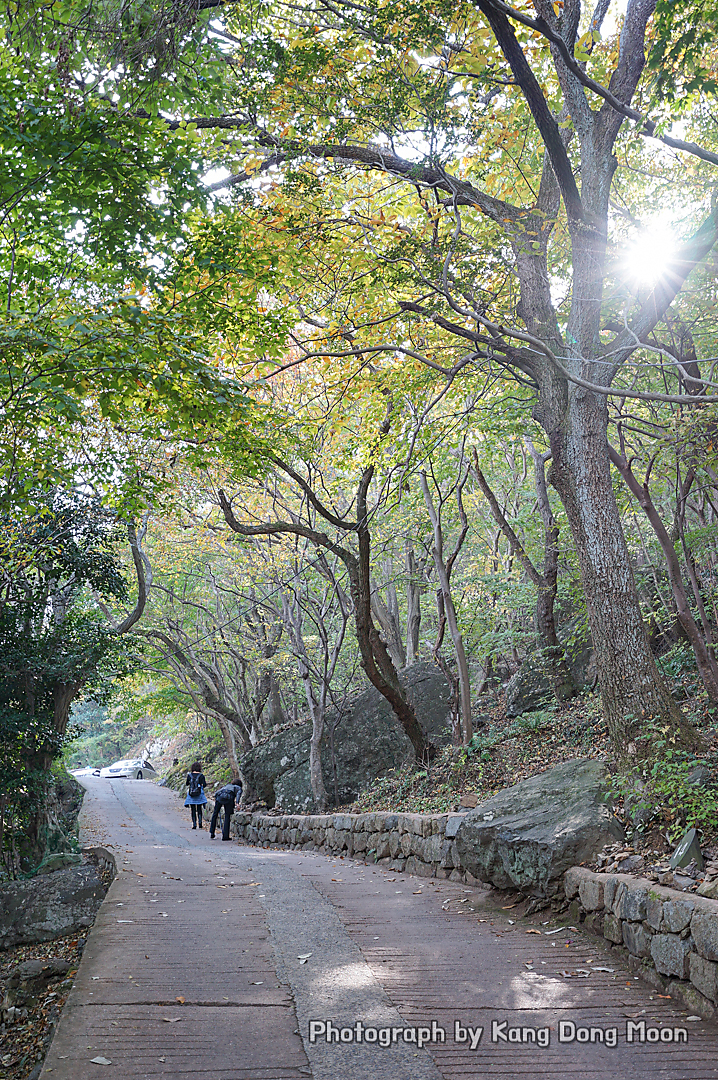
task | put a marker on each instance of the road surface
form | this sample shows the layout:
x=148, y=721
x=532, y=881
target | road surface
x=226, y=962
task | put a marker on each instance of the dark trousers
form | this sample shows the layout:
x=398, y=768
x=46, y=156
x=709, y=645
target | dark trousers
x=227, y=817
x=196, y=813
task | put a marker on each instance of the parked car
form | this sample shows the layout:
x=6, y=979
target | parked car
x=133, y=769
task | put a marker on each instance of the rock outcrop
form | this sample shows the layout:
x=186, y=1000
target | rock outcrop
x=50, y=905
x=531, y=687
x=368, y=741
x=528, y=835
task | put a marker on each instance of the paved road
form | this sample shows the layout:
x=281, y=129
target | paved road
x=225, y=962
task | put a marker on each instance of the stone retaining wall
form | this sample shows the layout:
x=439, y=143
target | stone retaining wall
x=421, y=844
x=105, y=862
x=671, y=937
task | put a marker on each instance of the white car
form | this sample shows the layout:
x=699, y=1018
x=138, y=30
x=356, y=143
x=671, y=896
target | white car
x=133, y=769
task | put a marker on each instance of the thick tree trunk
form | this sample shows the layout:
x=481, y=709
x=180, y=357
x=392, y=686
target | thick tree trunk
x=632, y=690
x=316, y=776
x=276, y=712
x=375, y=658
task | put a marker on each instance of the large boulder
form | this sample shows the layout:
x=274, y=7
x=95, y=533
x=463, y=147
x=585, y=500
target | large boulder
x=367, y=741
x=531, y=687
x=49, y=905
x=528, y=835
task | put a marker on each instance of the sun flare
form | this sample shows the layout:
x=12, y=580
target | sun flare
x=648, y=254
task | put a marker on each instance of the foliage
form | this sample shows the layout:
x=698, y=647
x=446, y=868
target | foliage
x=347, y=300
x=53, y=642
x=664, y=795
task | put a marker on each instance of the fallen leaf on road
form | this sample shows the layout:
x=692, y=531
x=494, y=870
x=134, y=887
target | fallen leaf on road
x=582, y=973
x=566, y=974
x=529, y=931
x=508, y=907
x=665, y=996
x=100, y=1061
x=171, y=1019
x=180, y=999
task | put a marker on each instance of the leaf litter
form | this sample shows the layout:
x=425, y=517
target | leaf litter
x=25, y=1043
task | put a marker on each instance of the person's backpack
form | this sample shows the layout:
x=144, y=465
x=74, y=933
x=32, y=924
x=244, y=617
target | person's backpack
x=195, y=788
x=228, y=794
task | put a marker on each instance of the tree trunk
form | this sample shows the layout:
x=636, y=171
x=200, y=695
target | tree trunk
x=276, y=712
x=413, y=606
x=564, y=687
x=707, y=667
x=315, y=750
x=632, y=690
x=375, y=658
x=227, y=729
x=292, y=614
x=443, y=571
x=387, y=615
x=561, y=678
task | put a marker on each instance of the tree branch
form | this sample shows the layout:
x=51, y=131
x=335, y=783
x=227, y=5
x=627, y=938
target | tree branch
x=648, y=126
x=143, y=570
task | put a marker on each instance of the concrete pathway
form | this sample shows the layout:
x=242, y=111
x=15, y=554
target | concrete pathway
x=217, y=960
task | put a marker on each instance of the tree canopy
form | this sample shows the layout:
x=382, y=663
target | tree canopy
x=390, y=299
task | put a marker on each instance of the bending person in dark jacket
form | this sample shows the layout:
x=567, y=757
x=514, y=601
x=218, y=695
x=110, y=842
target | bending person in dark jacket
x=225, y=797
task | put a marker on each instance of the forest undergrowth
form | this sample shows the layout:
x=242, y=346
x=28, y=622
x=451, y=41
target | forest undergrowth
x=656, y=802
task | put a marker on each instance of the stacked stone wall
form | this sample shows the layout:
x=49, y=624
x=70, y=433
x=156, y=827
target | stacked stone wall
x=421, y=844
x=671, y=937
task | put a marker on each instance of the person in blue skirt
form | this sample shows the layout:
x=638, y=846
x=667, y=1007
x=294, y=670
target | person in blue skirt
x=196, y=797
